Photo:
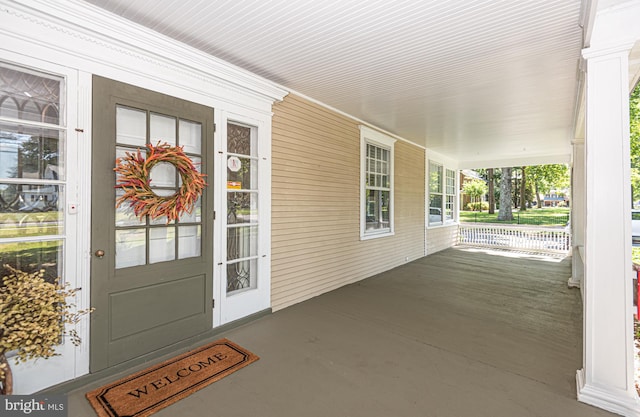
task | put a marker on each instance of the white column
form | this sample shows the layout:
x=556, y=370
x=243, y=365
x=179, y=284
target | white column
x=607, y=378
x=577, y=213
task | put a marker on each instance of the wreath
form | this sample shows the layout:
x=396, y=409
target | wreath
x=133, y=173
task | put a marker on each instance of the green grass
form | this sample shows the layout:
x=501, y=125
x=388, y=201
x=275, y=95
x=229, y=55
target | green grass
x=551, y=216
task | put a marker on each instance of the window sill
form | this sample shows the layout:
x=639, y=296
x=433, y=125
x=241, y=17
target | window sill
x=370, y=236
x=440, y=225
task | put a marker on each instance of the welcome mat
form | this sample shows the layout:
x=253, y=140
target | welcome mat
x=152, y=389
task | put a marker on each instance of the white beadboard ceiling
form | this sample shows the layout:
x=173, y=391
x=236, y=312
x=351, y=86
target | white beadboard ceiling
x=481, y=81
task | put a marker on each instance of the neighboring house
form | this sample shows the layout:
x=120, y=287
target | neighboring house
x=466, y=174
x=555, y=200
x=301, y=198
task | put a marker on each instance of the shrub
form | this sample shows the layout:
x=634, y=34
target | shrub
x=478, y=206
x=33, y=314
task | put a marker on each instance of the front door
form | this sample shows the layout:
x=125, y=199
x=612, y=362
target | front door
x=151, y=280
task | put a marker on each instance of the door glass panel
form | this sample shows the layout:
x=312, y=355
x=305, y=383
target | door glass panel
x=163, y=174
x=130, y=247
x=125, y=215
x=188, y=241
x=190, y=136
x=162, y=129
x=241, y=275
x=162, y=245
x=30, y=152
x=242, y=242
x=241, y=140
x=242, y=173
x=242, y=207
x=131, y=126
x=32, y=210
x=37, y=95
x=33, y=256
x=196, y=214
x=164, y=179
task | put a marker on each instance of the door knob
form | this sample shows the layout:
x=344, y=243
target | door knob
x=99, y=253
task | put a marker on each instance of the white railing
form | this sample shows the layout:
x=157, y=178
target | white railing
x=538, y=239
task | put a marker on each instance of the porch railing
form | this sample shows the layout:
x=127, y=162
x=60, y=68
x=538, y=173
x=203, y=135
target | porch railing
x=538, y=239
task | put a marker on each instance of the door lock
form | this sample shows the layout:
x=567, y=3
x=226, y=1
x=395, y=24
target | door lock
x=99, y=253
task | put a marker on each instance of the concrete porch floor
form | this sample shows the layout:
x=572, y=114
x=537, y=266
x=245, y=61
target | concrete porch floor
x=464, y=332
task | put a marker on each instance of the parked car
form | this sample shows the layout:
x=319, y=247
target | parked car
x=635, y=227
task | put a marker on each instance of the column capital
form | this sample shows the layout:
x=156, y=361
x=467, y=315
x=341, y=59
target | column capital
x=602, y=51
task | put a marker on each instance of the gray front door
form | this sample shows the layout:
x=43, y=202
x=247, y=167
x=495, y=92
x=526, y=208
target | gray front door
x=151, y=281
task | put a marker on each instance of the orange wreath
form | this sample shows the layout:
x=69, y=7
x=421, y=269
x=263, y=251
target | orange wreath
x=133, y=177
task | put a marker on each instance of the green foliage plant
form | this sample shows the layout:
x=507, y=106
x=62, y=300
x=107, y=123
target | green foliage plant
x=33, y=316
x=475, y=189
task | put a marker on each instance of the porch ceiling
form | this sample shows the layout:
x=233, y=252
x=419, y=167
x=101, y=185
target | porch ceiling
x=481, y=81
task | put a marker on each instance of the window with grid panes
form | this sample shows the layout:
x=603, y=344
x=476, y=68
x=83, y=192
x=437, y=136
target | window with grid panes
x=377, y=180
x=435, y=193
x=450, y=192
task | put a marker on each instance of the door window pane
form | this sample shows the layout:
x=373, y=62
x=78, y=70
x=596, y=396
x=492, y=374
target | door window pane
x=242, y=275
x=162, y=129
x=130, y=247
x=242, y=208
x=125, y=215
x=241, y=140
x=30, y=152
x=163, y=174
x=242, y=242
x=33, y=256
x=188, y=241
x=30, y=95
x=162, y=245
x=190, y=136
x=241, y=173
x=30, y=210
x=196, y=214
x=131, y=126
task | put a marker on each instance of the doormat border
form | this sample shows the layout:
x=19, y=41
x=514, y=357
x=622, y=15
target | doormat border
x=104, y=408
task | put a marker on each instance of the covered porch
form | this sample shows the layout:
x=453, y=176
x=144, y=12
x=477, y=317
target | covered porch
x=461, y=332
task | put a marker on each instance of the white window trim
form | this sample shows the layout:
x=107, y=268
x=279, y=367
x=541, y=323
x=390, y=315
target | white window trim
x=444, y=222
x=374, y=137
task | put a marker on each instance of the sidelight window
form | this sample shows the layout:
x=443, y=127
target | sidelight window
x=32, y=170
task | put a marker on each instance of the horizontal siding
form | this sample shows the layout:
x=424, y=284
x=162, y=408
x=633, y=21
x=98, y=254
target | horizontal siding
x=316, y=244
x=441, y=238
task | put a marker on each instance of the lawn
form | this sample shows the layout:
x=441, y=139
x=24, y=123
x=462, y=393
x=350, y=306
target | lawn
x=550, y=216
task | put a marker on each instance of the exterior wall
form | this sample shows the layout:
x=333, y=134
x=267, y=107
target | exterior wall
x=440, y=238
x=316, y=244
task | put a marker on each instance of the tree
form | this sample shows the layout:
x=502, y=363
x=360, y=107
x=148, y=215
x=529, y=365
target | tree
x=523, y=198
x=475, y=189
x=492, y=193
x=547, y=177
x=634, y=135
x=505, y=196
x=634, y=124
